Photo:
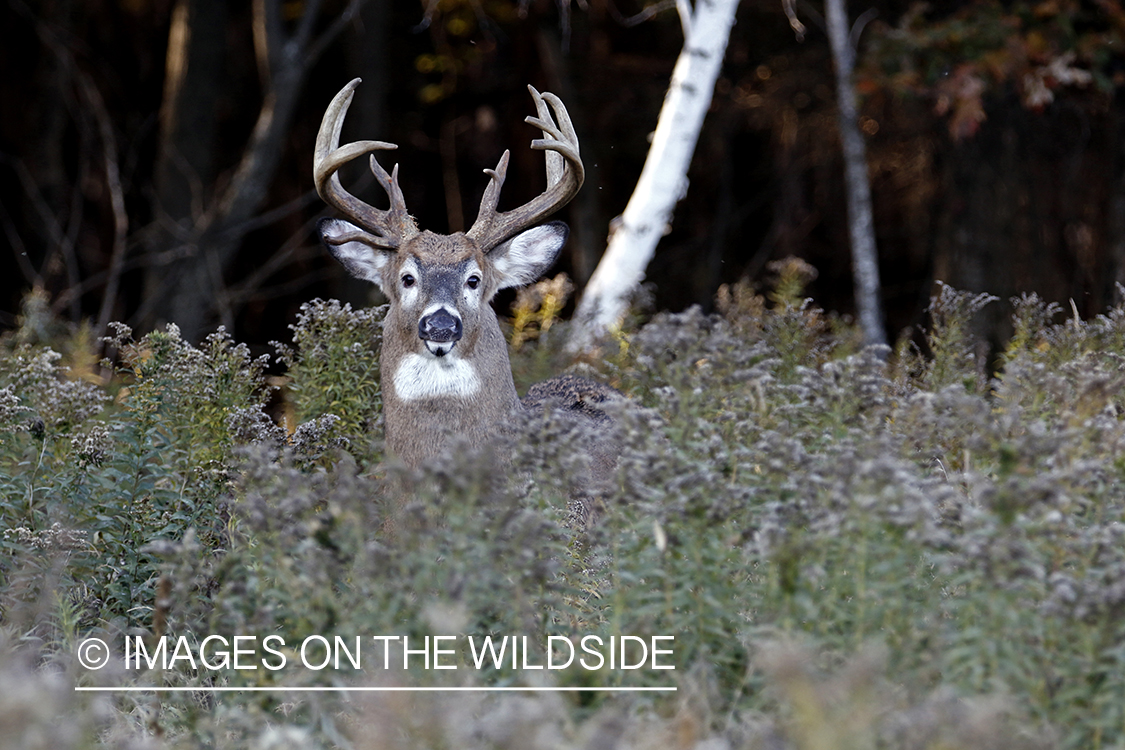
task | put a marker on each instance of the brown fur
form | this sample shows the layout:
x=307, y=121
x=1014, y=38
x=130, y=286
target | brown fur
x=444, y=362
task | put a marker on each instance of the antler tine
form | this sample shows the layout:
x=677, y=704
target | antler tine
x=388, y=228
x=565, y=175
x=398, y=214
x=558, y=146
x=495, y=183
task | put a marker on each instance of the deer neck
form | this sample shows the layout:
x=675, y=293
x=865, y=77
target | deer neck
x=427, y=400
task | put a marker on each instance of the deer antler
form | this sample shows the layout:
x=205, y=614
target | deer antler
x=565, y=175
x=382, y=229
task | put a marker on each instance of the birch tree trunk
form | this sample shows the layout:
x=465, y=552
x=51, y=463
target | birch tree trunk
x=861, y=225
x=663, y=180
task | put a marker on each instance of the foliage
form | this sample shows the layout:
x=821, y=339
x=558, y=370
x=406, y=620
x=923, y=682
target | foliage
x=851, y=550
x=1037, y=49
x=535, y=315
x=335, y=368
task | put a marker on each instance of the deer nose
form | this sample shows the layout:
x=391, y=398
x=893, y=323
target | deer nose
x=440, y=326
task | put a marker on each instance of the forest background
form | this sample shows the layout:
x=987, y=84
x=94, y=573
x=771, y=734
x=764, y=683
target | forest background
x=155, y=157
x=921, y=550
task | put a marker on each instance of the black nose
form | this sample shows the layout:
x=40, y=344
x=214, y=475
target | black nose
x=440, y=326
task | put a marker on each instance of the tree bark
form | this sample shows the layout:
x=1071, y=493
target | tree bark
x=185, y=167
x=663, y=180
x=861, y=225
x=199, y=289
x=189, y=287
x=193, y=80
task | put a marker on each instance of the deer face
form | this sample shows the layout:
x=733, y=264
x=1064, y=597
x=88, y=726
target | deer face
x=438, y=285
x=440, y=337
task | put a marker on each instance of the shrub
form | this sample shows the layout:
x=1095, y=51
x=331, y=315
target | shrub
x=851, y=547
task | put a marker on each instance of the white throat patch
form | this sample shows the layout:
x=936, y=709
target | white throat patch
x=421, y=377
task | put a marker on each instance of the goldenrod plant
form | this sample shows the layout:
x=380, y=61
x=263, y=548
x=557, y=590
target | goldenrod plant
x=852, y=548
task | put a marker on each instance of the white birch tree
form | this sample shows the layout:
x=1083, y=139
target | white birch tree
x=663, y=180
x=857, y=187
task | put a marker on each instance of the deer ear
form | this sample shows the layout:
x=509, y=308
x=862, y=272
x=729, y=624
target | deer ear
x=362, y=261
x=523, y=259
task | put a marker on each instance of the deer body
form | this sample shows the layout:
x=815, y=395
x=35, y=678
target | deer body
x=444, y=361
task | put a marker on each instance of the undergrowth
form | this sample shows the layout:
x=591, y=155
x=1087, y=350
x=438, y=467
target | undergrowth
x=852, y=548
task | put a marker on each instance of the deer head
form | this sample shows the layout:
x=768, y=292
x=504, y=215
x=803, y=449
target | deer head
x=445, y=362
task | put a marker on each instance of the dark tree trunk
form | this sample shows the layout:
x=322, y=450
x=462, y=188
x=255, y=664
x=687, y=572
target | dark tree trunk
x=193, y=82
x=1115, y=221
x=194, y=283
x=367, y=118
x=188, y=286
x=186, y=161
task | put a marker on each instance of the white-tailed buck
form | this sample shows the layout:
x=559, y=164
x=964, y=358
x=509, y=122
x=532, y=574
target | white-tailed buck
x=445, y=366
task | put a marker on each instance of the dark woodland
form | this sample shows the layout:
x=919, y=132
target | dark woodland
x=849, y=547
x=155, y=155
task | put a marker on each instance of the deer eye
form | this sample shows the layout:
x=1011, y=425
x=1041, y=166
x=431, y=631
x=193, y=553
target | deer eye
x=407, y=280
x=473, y=281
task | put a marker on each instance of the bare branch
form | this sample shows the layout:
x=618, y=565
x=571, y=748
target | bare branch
x=294, y=249
x=116, y=198
x=813, y=14
x=794, y=22
x=274, y=214
x=289, y=287
x=140, y=260
x=19, y=249
x=304, y=31
x=269, y=37
x=648, y=12
x=432, y=8
x=219, y=291
x=46, y=216
x=860, y=24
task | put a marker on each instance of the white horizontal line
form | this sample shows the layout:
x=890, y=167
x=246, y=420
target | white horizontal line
x=325, y=689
